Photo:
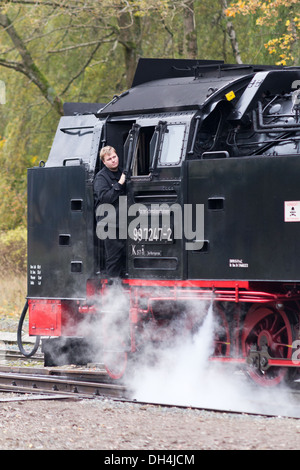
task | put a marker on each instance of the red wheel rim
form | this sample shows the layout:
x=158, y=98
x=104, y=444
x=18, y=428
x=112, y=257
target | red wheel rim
x=271, y=327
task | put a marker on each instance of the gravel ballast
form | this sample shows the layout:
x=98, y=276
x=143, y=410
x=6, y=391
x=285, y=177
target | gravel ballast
x=95, y=424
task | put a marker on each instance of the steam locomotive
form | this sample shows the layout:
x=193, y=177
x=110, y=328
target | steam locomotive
x=211, y=153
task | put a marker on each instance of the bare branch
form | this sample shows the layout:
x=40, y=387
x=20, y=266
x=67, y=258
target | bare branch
x=82, y=69
x=83, y=44
x=27, y=65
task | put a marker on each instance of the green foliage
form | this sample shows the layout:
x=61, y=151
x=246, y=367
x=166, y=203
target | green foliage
x=13, y=248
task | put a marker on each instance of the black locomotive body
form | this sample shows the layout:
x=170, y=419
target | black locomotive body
x=212, y=155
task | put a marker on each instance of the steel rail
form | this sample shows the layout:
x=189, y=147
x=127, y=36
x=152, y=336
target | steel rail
x=35, y=382
x=60, y=384
x=11, y=354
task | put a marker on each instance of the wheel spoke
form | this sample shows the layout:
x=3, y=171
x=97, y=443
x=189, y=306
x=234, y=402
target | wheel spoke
x=279, y=332
x=267, y=330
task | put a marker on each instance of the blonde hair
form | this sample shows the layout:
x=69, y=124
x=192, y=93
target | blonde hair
x=106, y=151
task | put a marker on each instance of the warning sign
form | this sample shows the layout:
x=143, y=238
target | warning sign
x=230, y=96
x=292, y=211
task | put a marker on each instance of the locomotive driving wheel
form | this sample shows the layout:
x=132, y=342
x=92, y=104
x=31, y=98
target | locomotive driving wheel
x=267, y=332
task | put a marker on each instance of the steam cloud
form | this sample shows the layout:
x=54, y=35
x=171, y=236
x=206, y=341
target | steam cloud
x=185, y=376
x=182, y=373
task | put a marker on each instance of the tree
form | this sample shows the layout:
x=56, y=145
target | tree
x=27, y=66
x=281, y=18
x=231, y=34
x=190, y=49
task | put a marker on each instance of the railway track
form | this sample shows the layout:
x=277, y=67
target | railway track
x=34, y=381
x=76, y=383
x=60, y=383
x=14, y=355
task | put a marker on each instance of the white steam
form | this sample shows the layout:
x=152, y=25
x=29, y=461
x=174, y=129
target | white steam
x=181, y=373
x=175, y=378
x=185, y=376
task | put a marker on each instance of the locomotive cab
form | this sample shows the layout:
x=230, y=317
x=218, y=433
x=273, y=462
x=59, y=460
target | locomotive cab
x=151, y=151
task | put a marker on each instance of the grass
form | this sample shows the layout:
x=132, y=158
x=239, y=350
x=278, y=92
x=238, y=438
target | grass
x=13, y=290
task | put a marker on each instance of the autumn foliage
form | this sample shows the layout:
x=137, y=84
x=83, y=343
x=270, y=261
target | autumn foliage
x=281, y=18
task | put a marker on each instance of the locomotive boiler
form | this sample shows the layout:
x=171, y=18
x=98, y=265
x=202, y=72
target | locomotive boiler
x=212, y=207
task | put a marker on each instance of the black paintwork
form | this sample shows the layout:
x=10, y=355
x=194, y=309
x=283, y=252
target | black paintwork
x=238, y=155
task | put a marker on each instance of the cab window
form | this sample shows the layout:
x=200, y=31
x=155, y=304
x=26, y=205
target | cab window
x=172, y=145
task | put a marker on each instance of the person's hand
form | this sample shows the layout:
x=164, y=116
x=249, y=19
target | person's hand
x=122, y=179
